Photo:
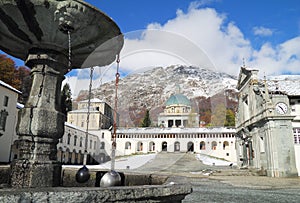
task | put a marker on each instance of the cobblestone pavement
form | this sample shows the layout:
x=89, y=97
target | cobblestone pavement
x=222, y=184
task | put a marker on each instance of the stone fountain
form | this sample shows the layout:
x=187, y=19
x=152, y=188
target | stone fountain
x=39, y=32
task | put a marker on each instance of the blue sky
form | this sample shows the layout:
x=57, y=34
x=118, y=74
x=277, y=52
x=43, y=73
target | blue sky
x=282, y=17
x=264, y=35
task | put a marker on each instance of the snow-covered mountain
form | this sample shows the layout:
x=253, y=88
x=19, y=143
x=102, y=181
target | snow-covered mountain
x=151, y=89
x=289, y=84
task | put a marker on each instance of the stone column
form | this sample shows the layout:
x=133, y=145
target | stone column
x=250, y=148
x=245, y=155
x=41, y=123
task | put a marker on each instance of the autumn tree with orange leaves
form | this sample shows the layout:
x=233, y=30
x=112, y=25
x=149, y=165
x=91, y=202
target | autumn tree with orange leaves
x=17, y=77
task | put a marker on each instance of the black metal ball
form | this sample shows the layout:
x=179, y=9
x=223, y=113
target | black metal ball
x=83, y=175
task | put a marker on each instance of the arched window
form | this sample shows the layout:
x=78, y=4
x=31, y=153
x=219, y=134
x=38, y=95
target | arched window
x=177, y=146
x=75, y=140
x=73, y=157
x=139, y=146
x=164, y=146
x=102, y=145
x=225, y=145
x=152, y=146
x=69, y=138
x=202, y=145
x=67, y=157
x=3, y=117
x=80, y=143
x=190, y=146
x=214, y=145
x=60, y=154
x=127, y=145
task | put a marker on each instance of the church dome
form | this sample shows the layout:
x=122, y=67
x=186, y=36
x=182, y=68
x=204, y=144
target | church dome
x=178, y=99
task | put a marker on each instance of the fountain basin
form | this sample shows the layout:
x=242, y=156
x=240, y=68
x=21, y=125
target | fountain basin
x=135, y=188
x=44, y=24
x=146, y=193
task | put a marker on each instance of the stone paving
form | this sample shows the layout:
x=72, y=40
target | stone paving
x=184, y=164
x=222, y=184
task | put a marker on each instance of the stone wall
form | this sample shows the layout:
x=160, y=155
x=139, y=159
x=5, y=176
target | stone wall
x=4, y=176
x=135, y=188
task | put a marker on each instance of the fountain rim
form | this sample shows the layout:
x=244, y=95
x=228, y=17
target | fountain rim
x=81, y=50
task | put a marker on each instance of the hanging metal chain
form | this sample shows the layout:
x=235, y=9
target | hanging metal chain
x=70, y=51
x=114, y=135
x=88, y=116
x=116, y=95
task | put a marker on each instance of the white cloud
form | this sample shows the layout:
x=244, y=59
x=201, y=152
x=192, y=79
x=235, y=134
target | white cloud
x=81, y=81
x=284, y=58
x=198, y=37
x=262, y=31
x=221, y=41
x=206, y=38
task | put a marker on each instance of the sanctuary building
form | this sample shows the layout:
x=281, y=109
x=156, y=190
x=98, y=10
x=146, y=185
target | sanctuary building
x=268, y=124
x=179, y=132
x=178, y=112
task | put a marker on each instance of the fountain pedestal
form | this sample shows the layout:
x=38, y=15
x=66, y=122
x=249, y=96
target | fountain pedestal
x=41, y=122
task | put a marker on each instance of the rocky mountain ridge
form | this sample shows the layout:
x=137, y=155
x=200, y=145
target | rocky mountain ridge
x=151, y=89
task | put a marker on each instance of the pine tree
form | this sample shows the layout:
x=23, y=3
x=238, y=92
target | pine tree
x=66, y=99
x=146, y=121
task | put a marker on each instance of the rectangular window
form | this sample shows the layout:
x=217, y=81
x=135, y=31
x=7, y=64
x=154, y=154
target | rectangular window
x=5, y=102
x=297, y=135
x=3, y=117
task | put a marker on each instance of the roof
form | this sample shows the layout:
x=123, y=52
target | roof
x=178, y=99
x=176, y=130
x=9, y=87
x=92, y=110
x=288, y=84
x=20, y=106
x=94, y=100
x=78, y=128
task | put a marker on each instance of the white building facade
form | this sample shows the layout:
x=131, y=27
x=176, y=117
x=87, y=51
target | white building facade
x=217, y=142
x=101, y=115
x=71, y=147
x=8, y=120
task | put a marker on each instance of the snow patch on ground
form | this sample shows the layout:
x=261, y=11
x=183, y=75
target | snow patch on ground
x=136, y=161
x=207, y=160
x=132, y=162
